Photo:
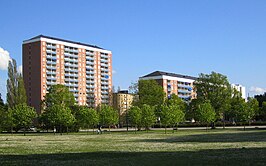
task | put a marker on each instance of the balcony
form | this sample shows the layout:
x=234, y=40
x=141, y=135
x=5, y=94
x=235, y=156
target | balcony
x=51, y=51
x=51, y=78
x=104, y=69
x=104, y=56
x=183, y=91
x=50, y=83
x=71, y=85
x=104, y=64
x=71, y=55
x=51, y=46
x=50, y=57
x=104, y=61
x=71, y=65
x=105, y=92
x=89, y=86
x=184, y=86
x=90, y=90
x=89, y=53
x=104, y=83
x=71, y=60
x=50, y=73
x=89, y=81
x=50, y=67
x=89, y=72
x=105, y=97
x=89, y=63
x=89, y=58
x=71, y=70
x=90, y=77
x=51, y=62
x=104, y=87
x=71, y=80
x=73, y=90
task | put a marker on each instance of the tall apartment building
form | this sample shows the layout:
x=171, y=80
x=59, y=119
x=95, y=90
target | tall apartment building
x=172, y=83
x=85, y=69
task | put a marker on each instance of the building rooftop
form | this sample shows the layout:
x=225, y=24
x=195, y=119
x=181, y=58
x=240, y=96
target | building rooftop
x=161, y=73
x=63, y=40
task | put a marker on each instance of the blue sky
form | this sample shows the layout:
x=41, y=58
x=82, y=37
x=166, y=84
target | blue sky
x=186, y=37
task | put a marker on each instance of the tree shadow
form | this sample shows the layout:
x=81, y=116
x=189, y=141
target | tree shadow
x=244, y=136
x=242, y=156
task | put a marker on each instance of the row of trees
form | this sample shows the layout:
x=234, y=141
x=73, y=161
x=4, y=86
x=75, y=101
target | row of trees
x=216, y=101
x=61, y=112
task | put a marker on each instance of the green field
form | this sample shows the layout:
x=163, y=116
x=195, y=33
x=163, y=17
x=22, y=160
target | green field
x=186, y=147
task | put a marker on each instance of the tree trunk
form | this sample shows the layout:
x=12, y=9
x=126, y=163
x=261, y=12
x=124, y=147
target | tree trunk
x=109, y=130
x=207, y=127
x=164, y=129
x=67, y=130
x=173, y=129
x=24, y=132
x=92, y=129
x=135, y=129
x=60, y=129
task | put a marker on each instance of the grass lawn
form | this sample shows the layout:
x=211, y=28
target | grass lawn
x=186, y=147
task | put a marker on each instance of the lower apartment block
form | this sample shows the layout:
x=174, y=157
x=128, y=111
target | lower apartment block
x=181, y=85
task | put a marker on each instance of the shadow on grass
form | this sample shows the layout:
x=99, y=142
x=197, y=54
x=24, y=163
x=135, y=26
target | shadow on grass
x=259, y=136
x=244, y=156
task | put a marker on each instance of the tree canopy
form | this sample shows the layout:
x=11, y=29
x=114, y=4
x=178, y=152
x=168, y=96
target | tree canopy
x=148, y=116
x=205, y=113
x=22, y=116
x=108, y=115
x=150, y=92
x=215, y=88
x=58, y=116
x=59, y=95
x=135, y=115
x=16, y=93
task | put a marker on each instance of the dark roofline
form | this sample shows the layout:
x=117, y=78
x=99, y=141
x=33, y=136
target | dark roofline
x=161, y=73
x=63, y=40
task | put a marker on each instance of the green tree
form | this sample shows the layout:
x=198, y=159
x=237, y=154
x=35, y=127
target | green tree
x=150, y=93
x=135, y=116
x=16, y=93
x=108, y=115
x=246, y=111
x=191, y=109
x=205, y=113
x=12, y=84
x=215, y=88
x=148, y=116
x=86, y=117
x=21, y=92
x=59, y=95
x=253, y=106
x=22, y=116
x=165, y=116
x=171, y=114
x=58, y=116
